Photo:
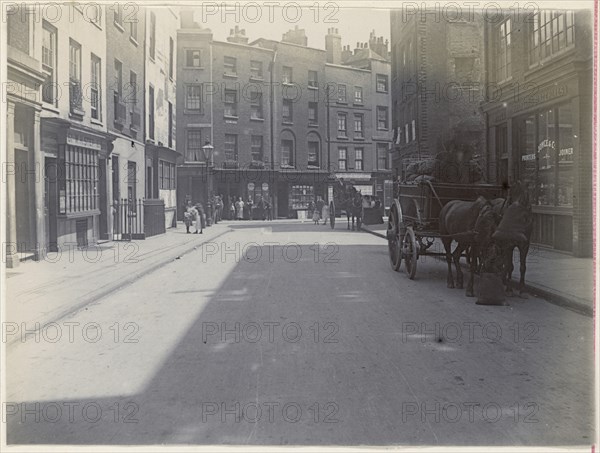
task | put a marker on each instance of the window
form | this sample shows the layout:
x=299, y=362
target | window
x=131, y=180
x=79, y=180
x=171, y=57
x=313, y=153
x=152, y=35
x=230, y=65
x=287, y=152
x=358, y=95
x=313, y=81
x=132, y=96
x=358, y=126
x=256, y=107
x=194, y=145
x=231, y=103
x=342, y=124
x=166, y=175
x=193, y=58
x=118, y=84
x=231, y=152
x=342, y=158
x=257, y=148
x=382, y=118
x=256, y=69
x=133, y=29
x=546, y=162
x=549, y=33
x=503, y=55
x=171, y=132
x=193, y=95
x=151, y=112
x=301, y=196
x=117, y=15
x=286, y=75
x=341, y=93
x=49, y=63
x=358, y=159
x=313, y=115
x=288, y=111
x=382, y=83
x=95, y=93
x=382, y=156
x=75, y=98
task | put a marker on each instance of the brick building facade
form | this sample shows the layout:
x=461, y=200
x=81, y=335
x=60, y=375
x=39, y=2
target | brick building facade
x=437, y=75
x=265, y=110
x=539, y=119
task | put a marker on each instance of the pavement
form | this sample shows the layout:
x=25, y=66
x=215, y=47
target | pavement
x=76, y=278
x=557, y=277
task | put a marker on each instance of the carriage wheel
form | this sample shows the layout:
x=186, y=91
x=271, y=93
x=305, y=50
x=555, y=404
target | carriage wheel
x=393, y=237
x=409, y=251
x=332, y=214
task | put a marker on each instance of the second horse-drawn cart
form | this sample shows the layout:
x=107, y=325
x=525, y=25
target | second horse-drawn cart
x=413, y=222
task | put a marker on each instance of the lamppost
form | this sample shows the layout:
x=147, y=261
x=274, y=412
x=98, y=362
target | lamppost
x=208, y=158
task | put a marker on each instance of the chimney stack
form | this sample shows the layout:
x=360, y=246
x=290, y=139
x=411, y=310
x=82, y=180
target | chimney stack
x=296, y=36
x=237, y=36
x=333, y=46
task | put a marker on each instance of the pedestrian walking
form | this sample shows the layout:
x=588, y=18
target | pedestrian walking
x=319, y=208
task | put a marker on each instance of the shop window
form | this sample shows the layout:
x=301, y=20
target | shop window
x=300, y=196
x=79, y=179
x=546, y=161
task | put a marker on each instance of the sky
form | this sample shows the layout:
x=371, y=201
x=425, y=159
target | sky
x=354, y=24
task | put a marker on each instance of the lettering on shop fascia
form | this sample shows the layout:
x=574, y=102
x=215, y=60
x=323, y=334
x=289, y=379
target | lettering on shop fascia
x=77, y=140
x=531, y=99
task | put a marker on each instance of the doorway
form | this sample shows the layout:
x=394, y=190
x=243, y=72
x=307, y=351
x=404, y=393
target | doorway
x=51, y=203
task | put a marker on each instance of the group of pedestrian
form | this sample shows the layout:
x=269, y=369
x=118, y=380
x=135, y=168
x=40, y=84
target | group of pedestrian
x=240, y=209
x=193, y=216
x=319, y=210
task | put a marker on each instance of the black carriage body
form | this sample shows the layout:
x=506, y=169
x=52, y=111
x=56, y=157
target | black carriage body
x=421, y=203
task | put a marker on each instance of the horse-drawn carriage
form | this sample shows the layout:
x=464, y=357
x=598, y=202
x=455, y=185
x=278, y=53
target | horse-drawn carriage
x=414, y=218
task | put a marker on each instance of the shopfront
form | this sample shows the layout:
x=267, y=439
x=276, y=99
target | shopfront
x=75, y=186
x=296, y=189
x=539, y=143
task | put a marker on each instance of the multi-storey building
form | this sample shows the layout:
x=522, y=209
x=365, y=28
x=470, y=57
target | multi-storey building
x=539, y=119
x=25, y=228
x=159, y=107
x=125, y=69
x=74, y=138
x=259, y=118
x=437, y=81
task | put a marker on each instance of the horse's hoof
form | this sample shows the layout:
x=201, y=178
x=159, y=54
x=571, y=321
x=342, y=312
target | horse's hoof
x=459, y=285
x=450, y=285
x=470, y=293
x=523, y=295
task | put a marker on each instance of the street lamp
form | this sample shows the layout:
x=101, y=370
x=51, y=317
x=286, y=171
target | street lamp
x=208, y=152
x=208, y=156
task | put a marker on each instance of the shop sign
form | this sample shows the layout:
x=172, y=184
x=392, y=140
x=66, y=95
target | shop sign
x=565, y=152
x=265, y=186
x=250, y=186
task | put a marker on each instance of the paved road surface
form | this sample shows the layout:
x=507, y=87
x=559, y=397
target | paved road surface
x=264, y=337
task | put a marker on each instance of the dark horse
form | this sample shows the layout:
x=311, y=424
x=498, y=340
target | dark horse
x=353, y=207
x=471, y=224
x=514, y=230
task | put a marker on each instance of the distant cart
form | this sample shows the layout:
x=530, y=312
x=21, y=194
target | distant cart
x=413, y=222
